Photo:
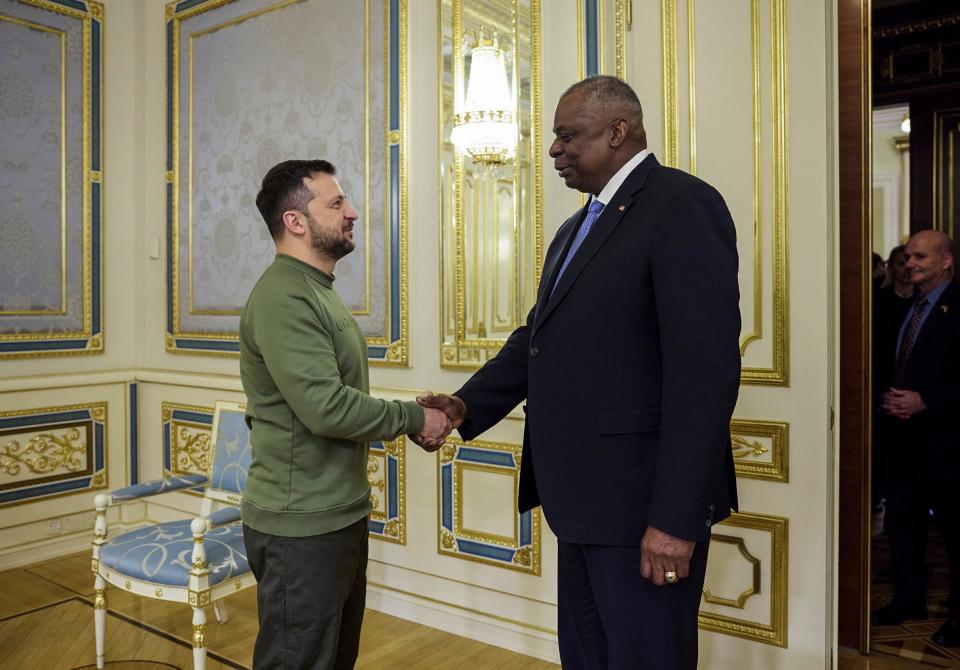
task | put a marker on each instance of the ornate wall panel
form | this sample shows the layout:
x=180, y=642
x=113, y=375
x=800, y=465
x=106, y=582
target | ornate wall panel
x=52, y=451
x=386, y=470
x=491, y=217
x=240, y=98
x=745, y=592
x=478, y=514
x=187, y=434
x=740, y=75
x=51, y=288
x=602, y=27
x=761, y=449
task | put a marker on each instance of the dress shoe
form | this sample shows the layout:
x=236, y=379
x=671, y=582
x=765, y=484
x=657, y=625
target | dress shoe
x=949, y=634
x=892, y=615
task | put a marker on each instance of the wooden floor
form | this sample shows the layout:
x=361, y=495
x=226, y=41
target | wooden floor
x=46, y=621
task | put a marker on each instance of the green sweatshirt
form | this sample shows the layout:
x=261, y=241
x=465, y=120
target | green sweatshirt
x=303, y=364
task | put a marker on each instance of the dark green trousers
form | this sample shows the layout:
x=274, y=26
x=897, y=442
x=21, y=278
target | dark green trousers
x=311, y=593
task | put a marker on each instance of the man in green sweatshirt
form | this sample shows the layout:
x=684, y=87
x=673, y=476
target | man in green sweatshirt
x=303, y=364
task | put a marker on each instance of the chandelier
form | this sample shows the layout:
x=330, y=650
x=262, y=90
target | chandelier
x=485, y=127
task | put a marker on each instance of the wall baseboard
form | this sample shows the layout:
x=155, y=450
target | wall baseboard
x=466, y=624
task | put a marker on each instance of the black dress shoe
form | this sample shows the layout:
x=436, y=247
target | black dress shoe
x=892, y=615
x=949, y=634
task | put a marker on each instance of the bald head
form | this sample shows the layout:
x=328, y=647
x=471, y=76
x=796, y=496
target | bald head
x=929, y=255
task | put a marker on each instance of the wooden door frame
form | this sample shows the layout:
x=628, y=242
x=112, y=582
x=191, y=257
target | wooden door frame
x=854, y=248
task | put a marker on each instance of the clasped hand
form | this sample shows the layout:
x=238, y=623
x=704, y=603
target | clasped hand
x=441, y=414
x=901, y=404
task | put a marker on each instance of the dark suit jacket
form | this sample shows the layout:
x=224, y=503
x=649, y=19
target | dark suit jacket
x=933, y=370
x=630, y=368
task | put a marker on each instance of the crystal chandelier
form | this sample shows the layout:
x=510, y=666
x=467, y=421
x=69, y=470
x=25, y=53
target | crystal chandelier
x=486, y=127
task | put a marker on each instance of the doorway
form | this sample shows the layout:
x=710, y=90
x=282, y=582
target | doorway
x=899, y=84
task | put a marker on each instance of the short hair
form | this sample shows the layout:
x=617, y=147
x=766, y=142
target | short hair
x=283, y=189
x=877, y=259
x=604, y=91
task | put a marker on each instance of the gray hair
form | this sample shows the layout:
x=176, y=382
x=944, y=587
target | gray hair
x=604, y=93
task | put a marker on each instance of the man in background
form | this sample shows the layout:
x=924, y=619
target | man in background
x=303, y=364
x=921, y=378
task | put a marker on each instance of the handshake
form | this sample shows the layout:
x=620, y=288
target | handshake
x=441, y=414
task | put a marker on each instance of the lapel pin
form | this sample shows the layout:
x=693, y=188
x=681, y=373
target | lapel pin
x=944, y=308
x=622, y=207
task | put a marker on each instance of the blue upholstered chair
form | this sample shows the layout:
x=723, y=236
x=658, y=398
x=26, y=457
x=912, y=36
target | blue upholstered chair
x=197, y=561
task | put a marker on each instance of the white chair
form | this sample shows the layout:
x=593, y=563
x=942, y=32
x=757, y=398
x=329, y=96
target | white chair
x=197, y=561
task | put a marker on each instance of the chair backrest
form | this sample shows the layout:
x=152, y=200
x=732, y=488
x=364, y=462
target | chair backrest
x=231, y=453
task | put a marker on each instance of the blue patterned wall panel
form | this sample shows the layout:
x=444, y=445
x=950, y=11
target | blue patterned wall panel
x=241, y=97
x=50, y=178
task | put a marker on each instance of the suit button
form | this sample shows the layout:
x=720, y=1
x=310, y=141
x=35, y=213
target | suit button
x=534, y=351
x=708, y=523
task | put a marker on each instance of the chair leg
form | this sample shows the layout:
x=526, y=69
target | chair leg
x=100, y=616
x=199, y=643
x=220, y=611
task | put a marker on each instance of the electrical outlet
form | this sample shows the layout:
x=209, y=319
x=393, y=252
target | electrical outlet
x=55, y=527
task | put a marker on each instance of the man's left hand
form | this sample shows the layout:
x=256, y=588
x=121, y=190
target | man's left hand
x=661, y=553
x=902, y=404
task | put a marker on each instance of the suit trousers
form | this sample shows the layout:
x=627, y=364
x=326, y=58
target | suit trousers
x=311, y=593
x=917, y=483
x=611, y=618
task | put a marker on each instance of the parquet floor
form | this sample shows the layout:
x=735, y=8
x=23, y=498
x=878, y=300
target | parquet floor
x=46, y=623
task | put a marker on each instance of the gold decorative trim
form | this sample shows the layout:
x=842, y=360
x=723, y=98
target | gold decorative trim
x=777, y=374
x=394, y=530
x=668, y=36
x=746, y=451
x=191, y=443
x=98, y=414
x=100, y=599
x=457, y=350
x=526, y=558
x=740, y=601
x=774, y=632
x=396, y=353
x=622, y=8
x=917, y=26
x=94, y=345
x=199, y=635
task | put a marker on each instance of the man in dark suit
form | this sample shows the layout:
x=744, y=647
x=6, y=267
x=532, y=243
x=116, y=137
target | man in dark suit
x=922, y=405
x=629, y=364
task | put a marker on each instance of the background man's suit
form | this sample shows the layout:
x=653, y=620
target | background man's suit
x=630, y=370
x=924, y=457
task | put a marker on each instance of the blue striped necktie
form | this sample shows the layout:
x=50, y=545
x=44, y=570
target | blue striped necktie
x=593, y=213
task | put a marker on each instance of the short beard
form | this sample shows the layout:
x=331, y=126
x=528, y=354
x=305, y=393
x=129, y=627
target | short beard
x=328, y=245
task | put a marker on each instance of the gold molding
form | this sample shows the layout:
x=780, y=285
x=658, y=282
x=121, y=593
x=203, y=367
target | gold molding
x=777, y=374
x=457, y=350
x=395, y=530
x=774, y=632
x=527, y=558
x=98, y=479
x=94, y=344
x=397, y=351
x=746, y=451
x=62, y=39
x=668, y=36
x=755, y=584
